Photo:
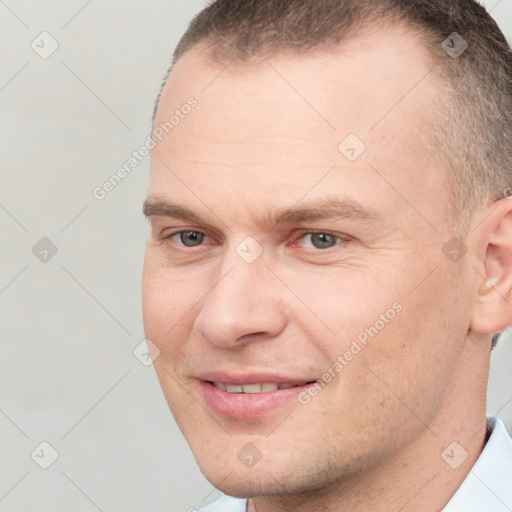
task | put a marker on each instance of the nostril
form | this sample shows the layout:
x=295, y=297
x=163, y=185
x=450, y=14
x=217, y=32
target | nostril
x=253, y=336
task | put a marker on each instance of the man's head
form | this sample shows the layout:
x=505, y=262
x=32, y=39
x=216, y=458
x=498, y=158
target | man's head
x=307, y=222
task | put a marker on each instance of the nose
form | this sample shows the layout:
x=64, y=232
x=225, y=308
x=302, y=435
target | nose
x=242, y=306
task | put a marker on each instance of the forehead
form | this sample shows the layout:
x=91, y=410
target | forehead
x=381, y=65
x=290, y=118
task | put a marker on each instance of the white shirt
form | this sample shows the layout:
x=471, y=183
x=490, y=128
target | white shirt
x=487, y=488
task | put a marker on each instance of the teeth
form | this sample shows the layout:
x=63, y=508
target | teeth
x=255, y=388
x=252, y=388
x=234, y=389
x=287, y=385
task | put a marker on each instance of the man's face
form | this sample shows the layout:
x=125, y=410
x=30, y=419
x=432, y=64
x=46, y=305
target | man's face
x=286, y=258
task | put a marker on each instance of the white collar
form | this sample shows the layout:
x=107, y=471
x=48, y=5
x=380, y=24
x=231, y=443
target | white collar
x=488, y=486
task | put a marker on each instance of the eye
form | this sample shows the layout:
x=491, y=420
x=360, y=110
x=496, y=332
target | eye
x=189, y=238
x=319, y=240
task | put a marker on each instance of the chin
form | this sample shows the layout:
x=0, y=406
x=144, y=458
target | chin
x=248, y=486
x=268, y=478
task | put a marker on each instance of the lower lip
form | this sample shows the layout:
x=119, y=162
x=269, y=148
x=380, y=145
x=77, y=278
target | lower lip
x=247, y=405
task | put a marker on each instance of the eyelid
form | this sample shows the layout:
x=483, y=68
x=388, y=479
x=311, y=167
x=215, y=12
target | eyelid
x=175, y=232
x=169, y=237
x=161, y=226
x=342, y=237
x=169, y=232
x=295, y=238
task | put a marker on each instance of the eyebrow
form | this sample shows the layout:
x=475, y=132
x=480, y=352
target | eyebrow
x=161, y=208
x=326, y=208
x=307, y=211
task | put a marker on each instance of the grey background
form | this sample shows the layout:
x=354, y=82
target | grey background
x=68, y=326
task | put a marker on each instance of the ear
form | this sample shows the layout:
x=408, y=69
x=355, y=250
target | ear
x=492, y=311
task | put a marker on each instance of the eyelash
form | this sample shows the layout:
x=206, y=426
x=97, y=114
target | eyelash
x=340, y=239
x=170, y=236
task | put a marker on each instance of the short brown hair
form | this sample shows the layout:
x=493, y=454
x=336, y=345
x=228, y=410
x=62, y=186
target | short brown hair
x=473, y=128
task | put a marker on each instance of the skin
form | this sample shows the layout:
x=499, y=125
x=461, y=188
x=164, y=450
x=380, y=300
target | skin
x=372, y=438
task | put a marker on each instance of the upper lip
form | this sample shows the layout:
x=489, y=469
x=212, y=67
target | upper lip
x=237, y=379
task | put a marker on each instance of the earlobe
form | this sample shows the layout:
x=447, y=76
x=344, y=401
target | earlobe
x=492, y=311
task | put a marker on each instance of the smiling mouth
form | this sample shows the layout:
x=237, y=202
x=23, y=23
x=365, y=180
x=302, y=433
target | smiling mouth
x=264, y=387
x=246, y=398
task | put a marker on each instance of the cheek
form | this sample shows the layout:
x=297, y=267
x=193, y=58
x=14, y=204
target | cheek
x=157, y=304
x=168, y=313
x=167, y=305
x=414, y=358
x=343, y=305
x=382, y=327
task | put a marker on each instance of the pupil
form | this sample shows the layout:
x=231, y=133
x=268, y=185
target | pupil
x=191, y=238
x=323, y=240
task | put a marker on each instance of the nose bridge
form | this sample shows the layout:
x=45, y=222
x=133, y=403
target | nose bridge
x=240, y=304
x=236, y=287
